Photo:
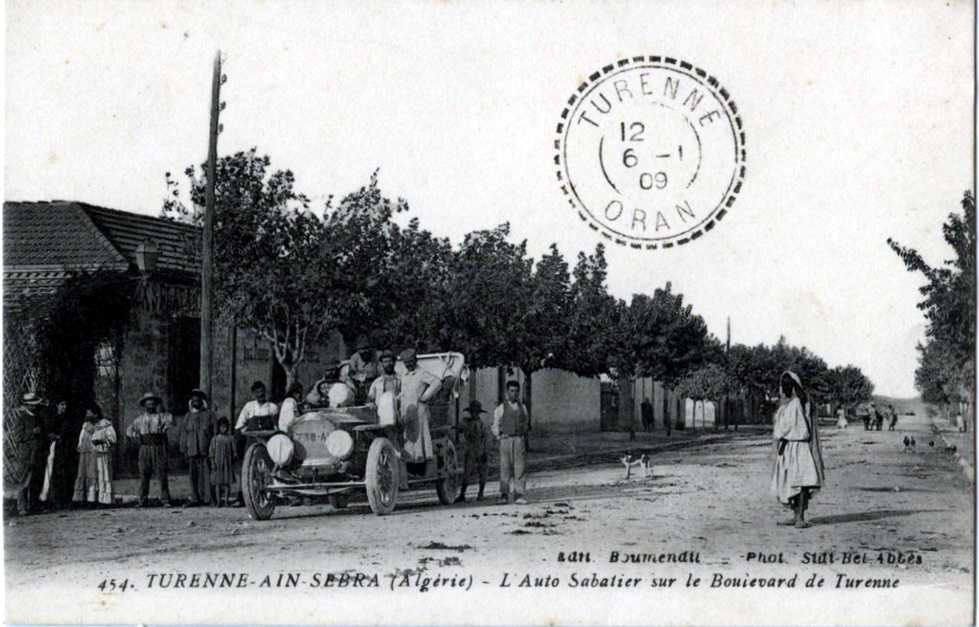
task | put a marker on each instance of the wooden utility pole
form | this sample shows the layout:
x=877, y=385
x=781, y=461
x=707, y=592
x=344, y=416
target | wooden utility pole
x=727, y=345
x=207, y=327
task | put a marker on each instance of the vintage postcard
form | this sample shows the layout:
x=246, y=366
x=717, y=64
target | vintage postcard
x=566, y=313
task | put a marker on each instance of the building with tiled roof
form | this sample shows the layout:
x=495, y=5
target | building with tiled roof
x=44, y=242
x=48, y=243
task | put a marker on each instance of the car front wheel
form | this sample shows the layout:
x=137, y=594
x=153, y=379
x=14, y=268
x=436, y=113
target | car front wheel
x=256, y=474
x=381, y=476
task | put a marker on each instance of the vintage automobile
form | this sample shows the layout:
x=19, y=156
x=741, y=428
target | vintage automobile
x=331, y=454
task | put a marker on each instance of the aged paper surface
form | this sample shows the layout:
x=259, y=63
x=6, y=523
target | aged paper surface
x=733, y=190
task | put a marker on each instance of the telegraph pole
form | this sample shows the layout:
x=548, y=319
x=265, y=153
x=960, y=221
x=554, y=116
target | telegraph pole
x=727, y=345
x=207, y=327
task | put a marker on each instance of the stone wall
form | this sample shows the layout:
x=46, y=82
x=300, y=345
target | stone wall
x=561, y=401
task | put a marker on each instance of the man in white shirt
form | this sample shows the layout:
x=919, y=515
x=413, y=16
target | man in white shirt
x=260, y=407
x=510, y=425
x=257, y=408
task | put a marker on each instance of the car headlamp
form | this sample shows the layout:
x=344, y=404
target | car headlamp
x=339, y=444
x=280, y=449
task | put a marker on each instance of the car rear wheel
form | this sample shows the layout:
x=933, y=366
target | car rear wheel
x=448, y=487
x=256, y=474
x=381, y=476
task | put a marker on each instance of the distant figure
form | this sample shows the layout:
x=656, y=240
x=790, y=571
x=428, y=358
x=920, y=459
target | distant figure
x=960, y=422
x=841, y=422
x=893, y=417
x=872, y=418
x=912, y=444
x=798, y=471
x=646, y=410
x=863, y=412
x=907, y=444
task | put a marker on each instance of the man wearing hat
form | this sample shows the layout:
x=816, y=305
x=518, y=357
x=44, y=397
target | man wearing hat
x=387, y=381
x=196, y=431
x=475, y=435
x=418, y=387
x=25, y=436
x=149, y=429
x=362, y=369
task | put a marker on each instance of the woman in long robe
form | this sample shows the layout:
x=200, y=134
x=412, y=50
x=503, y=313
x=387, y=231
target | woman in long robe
x=798, y=471
x=103, y=439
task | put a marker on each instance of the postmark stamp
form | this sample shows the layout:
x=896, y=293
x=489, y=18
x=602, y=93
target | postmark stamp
x=650, y=152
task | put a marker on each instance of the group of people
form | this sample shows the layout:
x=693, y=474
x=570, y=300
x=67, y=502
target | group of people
x=212, y=448
x=873, y=417
x=203, y=439
x=45, y=445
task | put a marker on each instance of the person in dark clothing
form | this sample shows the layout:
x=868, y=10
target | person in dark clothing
x=25, y=437
x=55, y=490
x=196, y=430
x=476, y=453
x=646, y=409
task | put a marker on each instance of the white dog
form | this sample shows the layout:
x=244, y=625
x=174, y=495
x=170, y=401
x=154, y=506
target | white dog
x=642, y=462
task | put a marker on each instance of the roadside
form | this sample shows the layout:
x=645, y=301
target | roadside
x=711, y=497
x=549, y=451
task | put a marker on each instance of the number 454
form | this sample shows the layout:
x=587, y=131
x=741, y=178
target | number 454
x=111, y=585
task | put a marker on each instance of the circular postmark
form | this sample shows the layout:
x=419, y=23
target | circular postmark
x=650, y=152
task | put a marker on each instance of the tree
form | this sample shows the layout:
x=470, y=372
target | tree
x=486, y=305
x=710, y=382
x=662, y=338
x=848, y=386
x=290, y=275
x=946, y=363
x=408, y=301
x=593, y=317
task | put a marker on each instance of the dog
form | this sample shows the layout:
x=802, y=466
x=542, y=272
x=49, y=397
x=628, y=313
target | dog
x=642, y=463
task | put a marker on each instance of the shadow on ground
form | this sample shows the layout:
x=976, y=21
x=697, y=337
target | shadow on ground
x=872, y=515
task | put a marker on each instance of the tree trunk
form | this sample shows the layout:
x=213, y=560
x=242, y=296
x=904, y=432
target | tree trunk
x=528, y=403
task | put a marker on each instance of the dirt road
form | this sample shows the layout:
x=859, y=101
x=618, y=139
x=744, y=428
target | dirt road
x=897, y=519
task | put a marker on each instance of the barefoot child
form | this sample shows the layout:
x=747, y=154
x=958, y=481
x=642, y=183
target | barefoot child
x=222, y=454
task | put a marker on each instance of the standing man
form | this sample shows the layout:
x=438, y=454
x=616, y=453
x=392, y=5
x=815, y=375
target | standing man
x=256, y=411
x=23, y=440
x=388, y=380
x=476, y=439
x=196, y=431
x=893, y=413
x=149, y=429
x=418, y=387
x=510, y=424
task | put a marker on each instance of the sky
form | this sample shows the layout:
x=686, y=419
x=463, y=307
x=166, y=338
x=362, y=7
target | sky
x=858, y=117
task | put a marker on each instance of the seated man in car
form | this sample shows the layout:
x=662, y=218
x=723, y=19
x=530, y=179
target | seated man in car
x=361, y=370
x=333, y=390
